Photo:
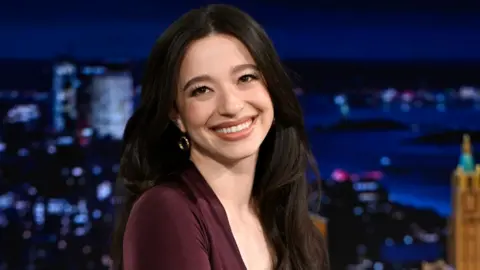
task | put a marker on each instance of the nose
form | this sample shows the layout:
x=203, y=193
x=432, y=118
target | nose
x=230, y=104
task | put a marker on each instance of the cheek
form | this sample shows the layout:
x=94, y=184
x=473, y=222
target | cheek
x=196, y=114
x=261, y=98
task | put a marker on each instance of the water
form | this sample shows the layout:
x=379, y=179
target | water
x=416, y=174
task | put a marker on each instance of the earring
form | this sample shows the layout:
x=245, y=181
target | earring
x=184, y=143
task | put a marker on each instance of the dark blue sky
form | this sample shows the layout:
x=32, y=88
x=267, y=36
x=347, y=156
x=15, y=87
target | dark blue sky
x=143, y=9
x=345, y=29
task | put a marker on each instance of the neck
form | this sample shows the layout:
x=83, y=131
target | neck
x=232, y=183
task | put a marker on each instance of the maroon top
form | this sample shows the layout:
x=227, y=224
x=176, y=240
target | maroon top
x=180, y=226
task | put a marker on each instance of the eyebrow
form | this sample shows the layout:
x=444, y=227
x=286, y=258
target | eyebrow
x=202, y=78
x=243, y=67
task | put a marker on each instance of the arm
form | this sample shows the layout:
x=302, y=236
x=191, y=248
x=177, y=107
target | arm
x=163, y=233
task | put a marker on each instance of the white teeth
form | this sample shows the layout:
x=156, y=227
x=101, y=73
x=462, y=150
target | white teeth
x=236, y=128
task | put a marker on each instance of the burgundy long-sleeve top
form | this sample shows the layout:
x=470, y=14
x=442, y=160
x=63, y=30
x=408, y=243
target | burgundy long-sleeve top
x=180, y=225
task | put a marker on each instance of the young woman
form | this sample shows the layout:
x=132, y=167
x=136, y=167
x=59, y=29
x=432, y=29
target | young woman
x=214, y=158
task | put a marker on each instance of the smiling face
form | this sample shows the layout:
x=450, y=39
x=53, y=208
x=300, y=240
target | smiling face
x=223, y=103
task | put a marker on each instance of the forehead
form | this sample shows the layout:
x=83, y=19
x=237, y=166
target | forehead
x=214, y=54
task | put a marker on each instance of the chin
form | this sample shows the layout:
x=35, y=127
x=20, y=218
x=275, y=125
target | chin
x=240, y=152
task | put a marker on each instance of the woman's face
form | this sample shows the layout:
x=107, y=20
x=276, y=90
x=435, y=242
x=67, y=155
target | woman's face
x=223, y=103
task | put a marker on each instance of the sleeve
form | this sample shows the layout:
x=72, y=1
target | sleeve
x=163, y=233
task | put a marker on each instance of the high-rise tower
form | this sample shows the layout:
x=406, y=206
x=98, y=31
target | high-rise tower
x=64, y=96
x=464, y=246
x=111, y=103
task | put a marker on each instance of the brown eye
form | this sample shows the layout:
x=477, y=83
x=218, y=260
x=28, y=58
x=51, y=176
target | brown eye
x=200, y=90
x=247, y=78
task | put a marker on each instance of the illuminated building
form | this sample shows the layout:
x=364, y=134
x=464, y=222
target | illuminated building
x=344, y=226
x=64, y=95
x=111, y=103
x=438, y=265
x=367, y=186
x=22, y=116
x=320, y=223
x=369, y=189
x=464, y=246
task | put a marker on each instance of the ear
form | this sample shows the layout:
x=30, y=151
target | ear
x=177, y=120
x=180, y=125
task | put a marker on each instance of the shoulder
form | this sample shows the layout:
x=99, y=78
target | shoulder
x=162, y=230
x=165, y=201
x=162, y=195
x=164, y=215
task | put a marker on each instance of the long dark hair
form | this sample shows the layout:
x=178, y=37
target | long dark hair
x=150, y=151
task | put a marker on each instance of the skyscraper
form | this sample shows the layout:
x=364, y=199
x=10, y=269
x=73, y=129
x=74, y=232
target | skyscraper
x=64, y=94
x=464, y=246
x=111, y=103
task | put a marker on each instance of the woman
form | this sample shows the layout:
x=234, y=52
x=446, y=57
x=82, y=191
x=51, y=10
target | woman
x=215, y=156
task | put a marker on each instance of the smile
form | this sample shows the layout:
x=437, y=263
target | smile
x=236, y=128
x=235, y=131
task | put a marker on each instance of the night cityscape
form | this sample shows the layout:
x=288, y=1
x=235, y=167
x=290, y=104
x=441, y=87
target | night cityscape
x=60, y=150
x=387, y=97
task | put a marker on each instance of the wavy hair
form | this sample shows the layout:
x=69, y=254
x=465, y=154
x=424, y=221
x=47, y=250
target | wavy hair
x=150, y=152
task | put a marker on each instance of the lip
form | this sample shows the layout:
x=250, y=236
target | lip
x=234, y=122
x=237, y=136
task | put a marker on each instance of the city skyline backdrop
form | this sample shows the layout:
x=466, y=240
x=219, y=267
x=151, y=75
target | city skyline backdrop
x=387, y=90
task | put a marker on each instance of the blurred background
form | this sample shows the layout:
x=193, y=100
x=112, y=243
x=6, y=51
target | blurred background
x=388, y=89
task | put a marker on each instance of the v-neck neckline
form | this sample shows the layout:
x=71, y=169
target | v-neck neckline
x=220, y=211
